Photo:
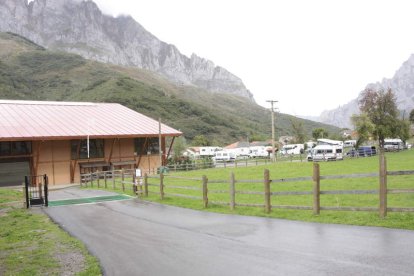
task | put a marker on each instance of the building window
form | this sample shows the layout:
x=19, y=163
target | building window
x=15, y=148
x=152, y=147
x=96, y=149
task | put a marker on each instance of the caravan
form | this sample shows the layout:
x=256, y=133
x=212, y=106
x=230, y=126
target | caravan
x=258, y=151
x=326, y=153
x=208, y=151
x=327, y=150
x=224, y=156
x=293, y=149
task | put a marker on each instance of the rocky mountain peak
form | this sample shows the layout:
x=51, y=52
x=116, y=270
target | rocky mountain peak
x=80, y=27
x=402, y=84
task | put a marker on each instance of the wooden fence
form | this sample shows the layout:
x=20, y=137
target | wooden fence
x=248, y=162
x=105, y=179
x=205, y=187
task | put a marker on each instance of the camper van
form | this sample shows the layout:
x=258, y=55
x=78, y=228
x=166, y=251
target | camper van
x=326, y=153
x=293, y=149
x=208, y=151
x=258, y=151
x=393, y=144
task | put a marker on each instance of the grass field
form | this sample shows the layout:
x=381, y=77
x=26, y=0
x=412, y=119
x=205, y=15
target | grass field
x=396, y=161
x=31, y=244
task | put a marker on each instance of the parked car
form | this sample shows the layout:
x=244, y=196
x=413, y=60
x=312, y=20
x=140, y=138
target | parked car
x=352, y=153
x=365, y=151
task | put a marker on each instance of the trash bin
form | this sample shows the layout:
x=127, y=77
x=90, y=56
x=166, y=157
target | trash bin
x=163, y=169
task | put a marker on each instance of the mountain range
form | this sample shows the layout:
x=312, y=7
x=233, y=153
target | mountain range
x=80, y=27
x=402, y=84
x=31, y=72
x=67, y=50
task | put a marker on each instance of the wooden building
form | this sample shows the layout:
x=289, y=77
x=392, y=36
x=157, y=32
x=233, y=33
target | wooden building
x=63, y=139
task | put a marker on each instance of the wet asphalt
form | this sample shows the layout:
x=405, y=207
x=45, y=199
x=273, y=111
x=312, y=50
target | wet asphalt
x=134, y=237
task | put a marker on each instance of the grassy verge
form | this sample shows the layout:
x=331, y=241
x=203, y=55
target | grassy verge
x=31, y=244
x=396, y=161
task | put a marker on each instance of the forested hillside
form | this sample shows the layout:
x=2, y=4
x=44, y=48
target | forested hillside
x=30, y=72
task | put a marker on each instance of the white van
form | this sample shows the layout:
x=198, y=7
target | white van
x=326, y=153
x=393, y=144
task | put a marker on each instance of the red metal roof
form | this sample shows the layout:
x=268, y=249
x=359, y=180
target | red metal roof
x=36, y=120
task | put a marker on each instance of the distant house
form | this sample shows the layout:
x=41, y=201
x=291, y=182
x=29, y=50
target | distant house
x=64, y=139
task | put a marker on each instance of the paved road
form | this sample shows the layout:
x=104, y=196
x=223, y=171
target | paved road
x=138, y=238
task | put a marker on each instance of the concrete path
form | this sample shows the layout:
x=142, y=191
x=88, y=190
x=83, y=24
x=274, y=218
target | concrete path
x=133, y=237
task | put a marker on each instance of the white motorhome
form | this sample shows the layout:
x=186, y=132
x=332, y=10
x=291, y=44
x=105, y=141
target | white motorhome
x=240, y=152
x=224, y=156
x=326, y=153
x=208, y=151
x=330, y=142
x=292, y=149
x=258, y=151
x=393, y=144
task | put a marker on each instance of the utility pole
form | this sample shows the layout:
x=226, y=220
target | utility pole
x=273, y=129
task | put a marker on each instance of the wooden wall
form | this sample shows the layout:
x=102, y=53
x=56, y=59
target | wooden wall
x=54, y=158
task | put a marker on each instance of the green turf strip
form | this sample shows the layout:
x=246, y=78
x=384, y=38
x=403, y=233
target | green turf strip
x=87, y=200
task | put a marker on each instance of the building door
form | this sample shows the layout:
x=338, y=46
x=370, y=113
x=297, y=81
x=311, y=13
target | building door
x=12, y=172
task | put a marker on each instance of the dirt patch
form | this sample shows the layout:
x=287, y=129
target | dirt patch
x=71, y=262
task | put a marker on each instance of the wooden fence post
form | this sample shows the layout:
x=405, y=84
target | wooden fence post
x=205, y=191
x=98, y=175
x=113, y=179
x=232, y=192
x=146, y=185
x=268, y=205
x=122, y=179
x=106, y=184
x=316, y=189
x=383, y=185
x=162, y=186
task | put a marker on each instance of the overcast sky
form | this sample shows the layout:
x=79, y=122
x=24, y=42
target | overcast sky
x=309, y=55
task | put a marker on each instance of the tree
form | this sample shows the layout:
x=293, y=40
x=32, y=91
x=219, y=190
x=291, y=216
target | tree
x=200, y=140
x=381, y=109
x=298, y=131
x=412, y=116
x=363, y=126
x=319, y=133
x=179, y=146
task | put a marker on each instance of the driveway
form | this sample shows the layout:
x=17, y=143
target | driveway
x=134, y=237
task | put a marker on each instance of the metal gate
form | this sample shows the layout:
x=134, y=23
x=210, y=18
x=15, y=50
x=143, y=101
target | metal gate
x=36, y=190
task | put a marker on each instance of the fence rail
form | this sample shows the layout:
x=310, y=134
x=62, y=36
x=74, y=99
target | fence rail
x=141, y=187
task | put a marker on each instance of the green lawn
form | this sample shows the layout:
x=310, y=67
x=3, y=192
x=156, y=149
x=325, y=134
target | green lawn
x=396, y=161
x=31, y=244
